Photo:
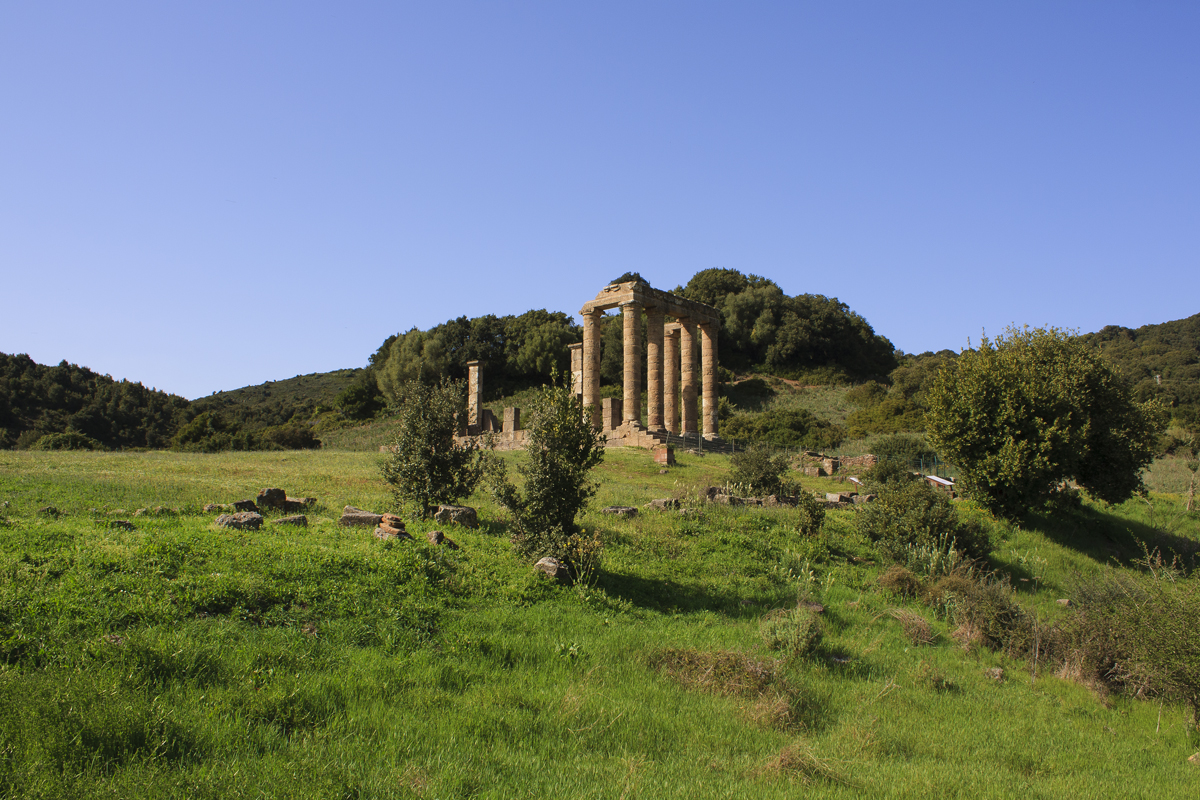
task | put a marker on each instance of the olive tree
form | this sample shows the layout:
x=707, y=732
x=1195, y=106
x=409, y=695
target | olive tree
x=427, y=466
x=1033, y=410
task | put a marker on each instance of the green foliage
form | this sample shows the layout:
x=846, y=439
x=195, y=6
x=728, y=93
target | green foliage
x=1137, y=633
x=890, y=415
x=913, y=514
x=1036, y=409
x=784, y=427
x=514, y=352
x=796, y=632
x=1162, y=361
x=759, y=468
x=66, y=441
x=561, y=449
x=986, y=611
x=36, y=400
x=252, y=408
x=906, y=448
x=426, y=466
x=760, y=325
x=361, y=400
x=810, y=514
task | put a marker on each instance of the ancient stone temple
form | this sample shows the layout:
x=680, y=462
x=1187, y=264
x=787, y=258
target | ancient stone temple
x=680, y=378
x=673, y=386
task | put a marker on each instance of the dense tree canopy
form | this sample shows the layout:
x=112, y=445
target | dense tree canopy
x=763, y=327
x=1036, y=408
x=37, y=400
x=513, y=350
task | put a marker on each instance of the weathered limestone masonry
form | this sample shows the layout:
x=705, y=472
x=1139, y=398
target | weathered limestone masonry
x=674, y=380
x=672, y=383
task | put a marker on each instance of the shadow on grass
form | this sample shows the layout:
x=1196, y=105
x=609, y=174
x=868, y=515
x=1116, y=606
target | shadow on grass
x=1106, y=537
x=668, y=596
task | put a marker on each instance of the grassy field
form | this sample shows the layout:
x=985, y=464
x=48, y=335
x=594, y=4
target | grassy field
x=180, y=660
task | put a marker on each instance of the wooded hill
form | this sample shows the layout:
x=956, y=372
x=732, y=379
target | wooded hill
x=812, y=338
x=1162, y=360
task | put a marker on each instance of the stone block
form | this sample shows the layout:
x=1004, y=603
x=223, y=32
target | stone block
x=242, y=521
x=512, y=420
x=458, y=515
x=357, y=516
x=665, y=455
x=296, y=520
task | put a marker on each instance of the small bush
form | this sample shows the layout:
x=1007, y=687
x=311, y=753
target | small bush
x=913, y=513
x=70, y=440
x=759, y=468
x=784, y=427
x=795, y=633
x=985, y=606
x=810, y=515
x=561, y=449
x=427, y=467
x=916, y=628
x=1136, y=635
x=900, y=581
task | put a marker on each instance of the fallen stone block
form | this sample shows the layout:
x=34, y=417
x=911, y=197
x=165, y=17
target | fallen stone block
x=245, y=505
x=555, y=569
x=123, y=524
x=357, y=516
x=394, y=521
x=271, y=498
x=298, y=520
x=864, y=498
x=620, y=511
x=663, y=504
x=387, y=533
x=213, y=508
x=458, y=515
x=437, y=537
x=242, y=521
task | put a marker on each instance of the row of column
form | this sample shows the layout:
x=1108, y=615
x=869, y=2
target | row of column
x=670, y=373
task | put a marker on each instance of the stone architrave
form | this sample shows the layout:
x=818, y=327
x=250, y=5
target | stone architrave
x=708, y=373
x=654, y=369
x=687, y=358
x=591, y=364
x=632, y=400
x=670, y=373
x=474, y=393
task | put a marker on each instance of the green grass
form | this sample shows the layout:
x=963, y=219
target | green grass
x=179, y=660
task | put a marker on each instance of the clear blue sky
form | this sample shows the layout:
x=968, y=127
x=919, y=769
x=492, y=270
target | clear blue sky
x=206, y=195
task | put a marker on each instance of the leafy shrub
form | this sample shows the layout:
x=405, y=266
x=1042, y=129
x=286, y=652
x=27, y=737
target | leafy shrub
x=810, y=515
x=867, y=394
x=759, y=468
x=984, y=606
x=914, y=514
x=427, y=467
x=70, y=440
x=894, y=413
x=795, y=632
x=561, y=449
x=292, y=436
x=1139, y=635
x=786, y=427
x=909, y=449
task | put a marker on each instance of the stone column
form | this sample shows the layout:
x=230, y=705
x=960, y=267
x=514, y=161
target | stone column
x=671, y=380
x=576, y=351
x=591, y=366
x=654, y=369
x=474, y=393
x=708, y=372
x=687, y=357
x=632, y=400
